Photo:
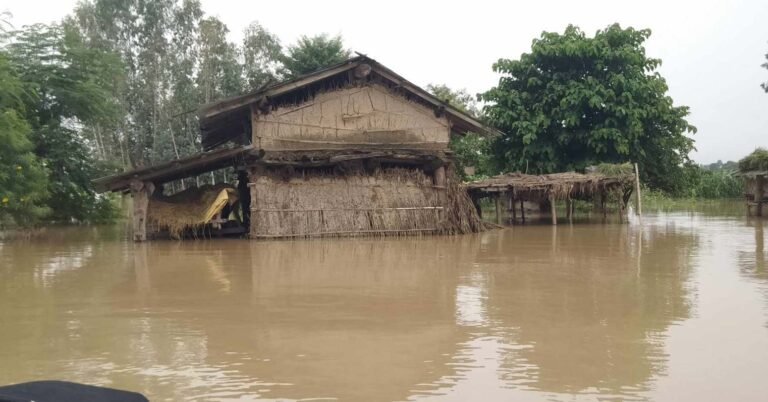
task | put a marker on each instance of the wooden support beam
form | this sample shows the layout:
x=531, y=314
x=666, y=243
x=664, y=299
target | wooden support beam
x=497, y=199
x=512, y=207
x=620, y=209
x=141, y=191
x=522, y=210
x=553, y=208
x=569, y=209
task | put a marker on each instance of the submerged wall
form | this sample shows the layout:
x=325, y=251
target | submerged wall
x=390, y=201
x=370, y=116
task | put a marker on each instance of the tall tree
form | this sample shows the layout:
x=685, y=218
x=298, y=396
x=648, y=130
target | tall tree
x=219, y=72
x=472, y=149
x=310, y=54
x=69, y=86
x=575, y=101
x=23, y=181
x=261, y=56
x=458, y=98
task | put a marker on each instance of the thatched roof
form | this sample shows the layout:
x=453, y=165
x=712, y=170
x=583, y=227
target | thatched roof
x=229, y=119
x=559, y=185
x=754, y=164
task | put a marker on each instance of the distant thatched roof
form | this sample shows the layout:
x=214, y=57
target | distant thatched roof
x=559, y=185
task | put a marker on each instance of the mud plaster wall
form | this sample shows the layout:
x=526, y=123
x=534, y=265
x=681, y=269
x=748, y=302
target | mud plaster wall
x=370, y=116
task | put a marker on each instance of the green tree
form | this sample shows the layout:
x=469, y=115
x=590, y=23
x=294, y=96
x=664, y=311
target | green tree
x=23, y=181
x=471, y=149
x=310, y=54
x=68, y=87
x=219, y=71
x=261, y=56
x=458, y=98
x=576, y=101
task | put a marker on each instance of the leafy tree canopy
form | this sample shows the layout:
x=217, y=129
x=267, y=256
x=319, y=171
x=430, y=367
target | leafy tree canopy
x=66, y=85
x=458, y=98
x=576, y=101
x=23, y=180
x=313, y=53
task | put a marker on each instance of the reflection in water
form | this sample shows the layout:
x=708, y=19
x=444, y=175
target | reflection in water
x=526, y=313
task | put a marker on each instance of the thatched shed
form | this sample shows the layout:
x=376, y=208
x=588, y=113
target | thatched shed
x=547, y=189
x=754, y=169
x=353, y=149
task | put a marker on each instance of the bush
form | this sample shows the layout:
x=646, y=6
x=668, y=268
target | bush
x=756, y=161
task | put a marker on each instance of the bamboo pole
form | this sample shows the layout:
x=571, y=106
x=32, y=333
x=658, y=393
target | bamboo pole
x=637, y=191
x=554, y=210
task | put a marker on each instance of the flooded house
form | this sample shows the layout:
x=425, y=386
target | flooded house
x=353, y=149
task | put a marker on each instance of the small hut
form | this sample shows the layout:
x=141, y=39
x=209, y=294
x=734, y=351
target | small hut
x=754, y=169
x=353, y=149
x=546, y=190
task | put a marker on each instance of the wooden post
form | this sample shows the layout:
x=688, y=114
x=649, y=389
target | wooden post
x=497, y=199
x=244, y=193
x=637, y=191
x=602, y=204
x=440, y=180
x=522, y=210
x=621, y=210
x=512, y=208
x=554, y=210
x=569, y=209
x=759, y=191
x=140, y=192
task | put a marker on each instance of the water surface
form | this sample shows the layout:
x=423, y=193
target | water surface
x=673, y=308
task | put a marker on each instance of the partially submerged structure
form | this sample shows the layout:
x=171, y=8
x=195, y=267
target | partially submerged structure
x=546, y=190
x=348, y=150
x=754, y=169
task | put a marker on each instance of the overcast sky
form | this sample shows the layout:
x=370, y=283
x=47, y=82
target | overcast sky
x=711, y=50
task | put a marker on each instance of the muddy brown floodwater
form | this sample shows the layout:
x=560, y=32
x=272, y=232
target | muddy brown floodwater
x=675, y=308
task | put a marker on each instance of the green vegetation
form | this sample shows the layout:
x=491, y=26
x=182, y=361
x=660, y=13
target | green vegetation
x=756, y=161
x=114, y=87
x=313, y=53
x=576, y=101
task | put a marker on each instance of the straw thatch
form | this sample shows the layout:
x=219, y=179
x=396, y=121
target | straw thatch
x=391, y=201
x=557, y=185
x=190, y=209
x=756, y=162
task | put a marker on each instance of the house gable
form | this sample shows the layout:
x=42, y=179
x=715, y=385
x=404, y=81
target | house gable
x=367, y=116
